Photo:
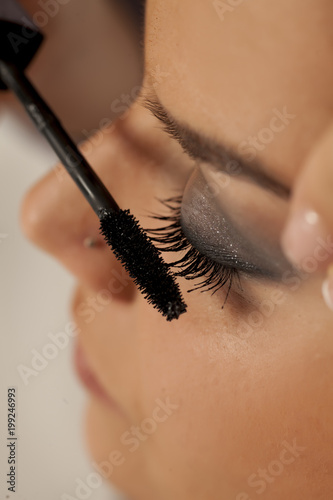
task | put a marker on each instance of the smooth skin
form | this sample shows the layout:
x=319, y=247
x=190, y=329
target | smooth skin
x=250, y=385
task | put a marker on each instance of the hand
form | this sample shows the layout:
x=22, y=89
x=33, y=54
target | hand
x=308, y=237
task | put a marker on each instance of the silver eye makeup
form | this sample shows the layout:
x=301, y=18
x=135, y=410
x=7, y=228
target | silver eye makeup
x=234, y=222
x=225, y=227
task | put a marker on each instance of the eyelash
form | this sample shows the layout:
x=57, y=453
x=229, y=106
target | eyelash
x=193, y=265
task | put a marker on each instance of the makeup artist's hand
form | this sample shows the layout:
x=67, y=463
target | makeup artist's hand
x=308, y=236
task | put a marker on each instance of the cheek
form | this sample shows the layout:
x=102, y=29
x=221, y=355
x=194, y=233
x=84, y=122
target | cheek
x=243, y=407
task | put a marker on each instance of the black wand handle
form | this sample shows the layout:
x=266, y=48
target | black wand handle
x=48, y=124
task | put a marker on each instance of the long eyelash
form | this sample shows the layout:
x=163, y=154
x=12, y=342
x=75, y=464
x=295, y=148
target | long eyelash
x=193, y=265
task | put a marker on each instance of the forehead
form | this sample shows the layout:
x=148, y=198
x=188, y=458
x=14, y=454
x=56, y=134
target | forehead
x=227, y=70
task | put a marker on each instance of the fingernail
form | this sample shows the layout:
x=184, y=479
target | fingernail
x=301, y=236
x=327, y=289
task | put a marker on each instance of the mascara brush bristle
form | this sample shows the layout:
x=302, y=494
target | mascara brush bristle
x=143, y=261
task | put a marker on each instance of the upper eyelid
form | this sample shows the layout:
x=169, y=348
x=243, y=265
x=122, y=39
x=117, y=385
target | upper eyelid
x=227, y=260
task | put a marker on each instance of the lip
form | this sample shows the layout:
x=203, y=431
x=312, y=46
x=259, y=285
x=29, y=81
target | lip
x=89, y=379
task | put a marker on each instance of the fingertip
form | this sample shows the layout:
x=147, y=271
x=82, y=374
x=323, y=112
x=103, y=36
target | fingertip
x=306, y=238
x=327, y=291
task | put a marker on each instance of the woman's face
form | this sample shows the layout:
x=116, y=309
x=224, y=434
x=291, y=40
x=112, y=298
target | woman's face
x=233, y=403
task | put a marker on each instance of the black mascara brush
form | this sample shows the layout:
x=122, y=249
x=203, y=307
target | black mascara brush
x=121, y=230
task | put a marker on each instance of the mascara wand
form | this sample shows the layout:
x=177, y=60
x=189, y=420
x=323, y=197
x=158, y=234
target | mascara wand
x=122, y=232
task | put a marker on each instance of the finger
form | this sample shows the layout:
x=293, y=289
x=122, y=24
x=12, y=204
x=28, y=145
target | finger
x=308, y=235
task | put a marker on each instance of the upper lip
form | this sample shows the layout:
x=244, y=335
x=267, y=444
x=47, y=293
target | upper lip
x=96, y=377
x=91, y=351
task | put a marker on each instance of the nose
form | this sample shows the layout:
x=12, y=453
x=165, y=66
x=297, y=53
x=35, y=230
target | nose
x=57, y=218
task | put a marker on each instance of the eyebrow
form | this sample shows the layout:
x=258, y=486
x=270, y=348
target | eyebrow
x=204, y=149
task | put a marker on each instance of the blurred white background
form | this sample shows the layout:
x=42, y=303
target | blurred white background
x=34, y=290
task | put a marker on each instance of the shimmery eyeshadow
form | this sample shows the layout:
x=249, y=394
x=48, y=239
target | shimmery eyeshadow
x=215, y=235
